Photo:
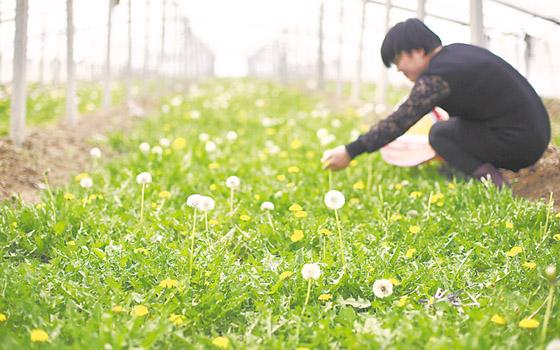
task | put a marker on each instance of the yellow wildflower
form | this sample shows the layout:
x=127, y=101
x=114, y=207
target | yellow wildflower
x=415, y=194
x=509, y=225
x=514, y=251
x=436, y=198
x=213, y=166
x=293, y=169
x=410, y=252
x=529, y=323
x=310, y=154
x=325, y=232
x=529, y=265
x=81, y=176
x=297, y=236
x=139, y=310
x=354, y=201
x=40, y=205
x=221, y=342
x=359, y=185
x=402, y=301
x=270, y=131
x=295, y=144
x=39, y=336
x=164, y=194
x=71, y=243
x=295, y=207
x=141, y=251
x=177, y=319
x=394, y=281
x=257, y=197
x=69, y=196
x=244, y=217
x=451, y=186
x=396, y=217
x=398, y=187
x=325, y=297
x=213, y=222
x=117, y=309
x=414, y=229
x=302, y=348
x=2, y=317
x=556, y=237
x=300, y=214
x=281, y=177
x=168, y=283
x=179, y=143
x=285, y=275
x=499, y=320
x=213, y=187
x=353, y=163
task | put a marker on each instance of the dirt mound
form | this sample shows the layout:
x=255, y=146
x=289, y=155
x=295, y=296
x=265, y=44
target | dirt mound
x=61, y=149
x=540, y=179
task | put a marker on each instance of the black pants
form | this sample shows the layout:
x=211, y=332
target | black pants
x=466, y=145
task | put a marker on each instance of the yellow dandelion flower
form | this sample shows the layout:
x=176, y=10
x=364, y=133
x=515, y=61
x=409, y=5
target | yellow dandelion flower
x=71, y=243
x=297, y=236
x=514, y=251
x=509, y=225
x=81, y=176
x=415, y=194
x=310, y=154
x=221, y=342
x=451, y=186
x=499, y=320
x=154, y=205
x=117, y=309
x=281, y=177
x=167, y=151
x=556, y=237
x=213, y=166
x=302, y=348
x=213, y=187
x=285, y=275
x=396, y=217
x=39, y=336
x=398, y=187
x=300, y=214
x=69, y=196
x=402, y=301
x=283, y=154
x=141, y=250
x=164, y=194
x=295, y=144
x=354, y=201
x=177, y=319
x=295, y=207
x=40, y=205
x=257, y=197
x=414, y=229
x=3, y=317
x=270, y=131
x=359, y=185
x=179, y=143
x=293, y=169
x=439, y=204
x=529, y=323
x=410, y=252
x=213, y=222
x=290, y=184
x=139, y=310
x=436, y=198
x=325, y=297
x=244, y=217
x=394, y=281
x=14, y=224
x=530, y=265
x=325, y=232
x=168, y=283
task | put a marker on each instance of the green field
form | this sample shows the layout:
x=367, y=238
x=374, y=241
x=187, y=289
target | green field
x=82, y=270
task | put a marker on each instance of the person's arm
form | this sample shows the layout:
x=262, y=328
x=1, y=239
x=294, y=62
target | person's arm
x=427, y=92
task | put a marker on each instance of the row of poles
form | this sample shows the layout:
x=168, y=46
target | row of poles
x=276, y=54
x=194, y=61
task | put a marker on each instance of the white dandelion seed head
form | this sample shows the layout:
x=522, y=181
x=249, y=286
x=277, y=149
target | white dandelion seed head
x=194, y=201
x=95, y=153
x=233, y=182
x=144, y=147
x=231, y=136
x=554, y=344
x=382, y=288
x=311, y=271
x=86, y=182
x=157, y=150
x=195, y=114
x=206, y=203
x=164, y=142
x=334, y=199
x=210, y=147
x=267, y=206
x=203, y=137
x=321, y=133
x=550, y=271
x=144, y=178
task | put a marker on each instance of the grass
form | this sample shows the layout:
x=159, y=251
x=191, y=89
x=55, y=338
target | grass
x=81, y=264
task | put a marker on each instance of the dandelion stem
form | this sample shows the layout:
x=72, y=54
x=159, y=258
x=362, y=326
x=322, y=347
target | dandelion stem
x=142, y=204
x=330, y=179
x=547, y=313
x=206, y=221
x=429, y=204
x=270, y=221
x=306, y=297
x=192, y=245
x=50, y=195
x=231, y=201
x=340, y=242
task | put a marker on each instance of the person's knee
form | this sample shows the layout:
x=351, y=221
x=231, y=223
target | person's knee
x=439, y=133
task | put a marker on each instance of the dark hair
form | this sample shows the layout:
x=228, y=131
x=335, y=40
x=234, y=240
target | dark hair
x=407, y=36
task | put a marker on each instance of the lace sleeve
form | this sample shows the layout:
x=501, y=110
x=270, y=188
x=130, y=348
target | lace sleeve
x=427, y=92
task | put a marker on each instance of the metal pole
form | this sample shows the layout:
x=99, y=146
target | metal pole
x=18, y=110
x=320, y=62
x=42, y=59
x=147, y=45
x=71, y=110
x=477, y=23
x=381, y=91
x=107, y=88
x=128, y=92
x=421, y=9
x=162, y=49
x=340, y=46
x=357, y=86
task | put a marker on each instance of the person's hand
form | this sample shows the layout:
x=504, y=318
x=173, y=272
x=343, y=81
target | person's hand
x=336, y=158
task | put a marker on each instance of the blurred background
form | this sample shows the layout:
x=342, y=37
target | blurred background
x=107, y=52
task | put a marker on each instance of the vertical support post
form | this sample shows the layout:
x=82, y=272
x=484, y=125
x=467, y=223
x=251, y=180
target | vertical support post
x=340, y=46
x=128, y=91
x=357, y=86
x=19, y=83
x=421, y=9
x=477, y=23
x=71, y=110
x=381, y=89
x=107, y=87
x=320, y=61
